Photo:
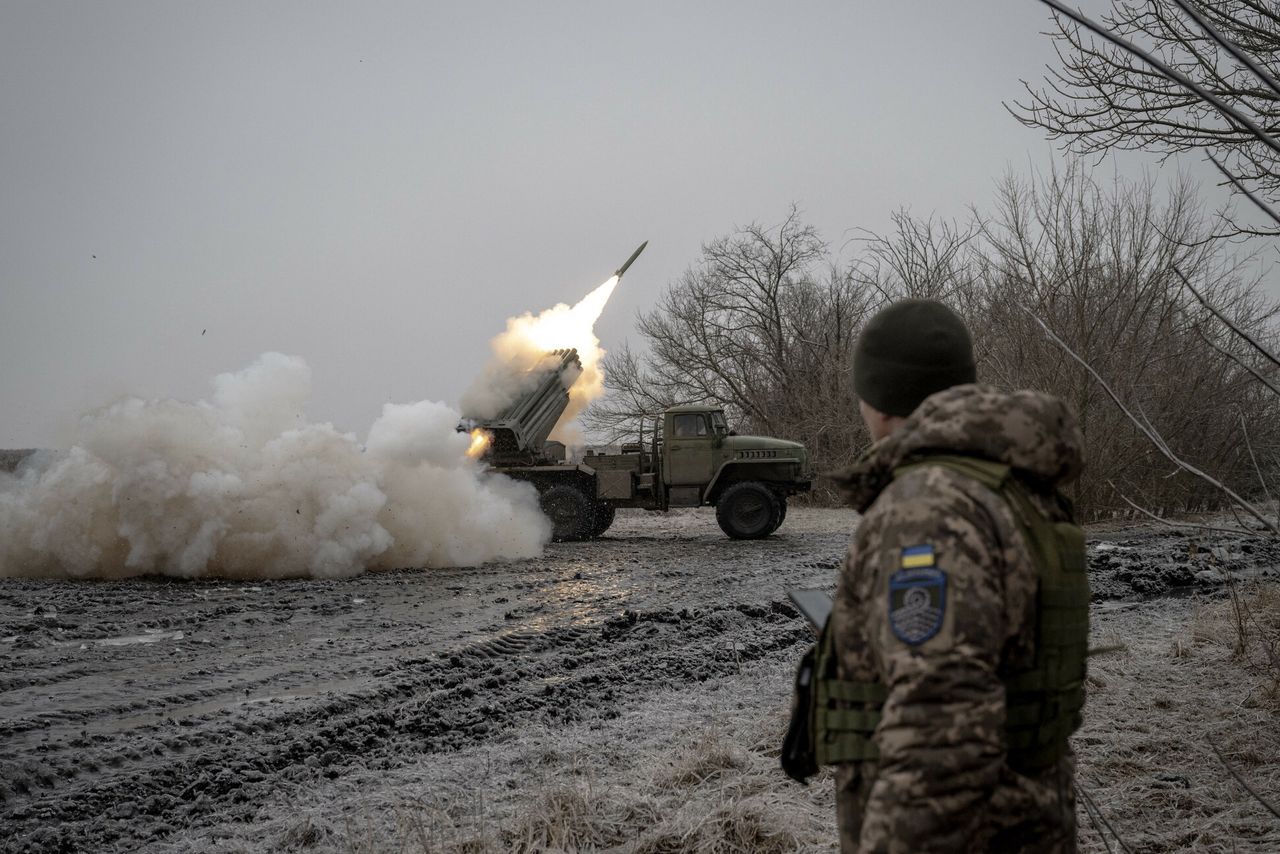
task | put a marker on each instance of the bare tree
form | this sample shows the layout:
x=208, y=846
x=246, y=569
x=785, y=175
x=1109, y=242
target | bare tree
x=634, y=397
x=1103, y=97
x=723, y=331
x=1098, y=265
x=919, y=258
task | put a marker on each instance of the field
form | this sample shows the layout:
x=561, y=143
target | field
x=622, y=695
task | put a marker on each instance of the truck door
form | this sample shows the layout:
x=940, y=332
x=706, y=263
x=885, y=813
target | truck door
x=689, y=449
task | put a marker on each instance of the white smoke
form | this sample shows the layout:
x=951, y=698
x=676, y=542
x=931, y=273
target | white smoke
x=243, y=486
x=524, y=345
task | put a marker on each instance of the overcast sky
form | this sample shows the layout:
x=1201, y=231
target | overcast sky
x=377, y=186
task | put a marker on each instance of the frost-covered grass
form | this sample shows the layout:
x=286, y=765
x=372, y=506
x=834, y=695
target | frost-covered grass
x=698, y=773
x=1181, y=679
x=688, y=771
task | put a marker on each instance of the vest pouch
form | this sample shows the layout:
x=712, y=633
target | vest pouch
x=845, y=719
x=845, y=714
x=832, y=720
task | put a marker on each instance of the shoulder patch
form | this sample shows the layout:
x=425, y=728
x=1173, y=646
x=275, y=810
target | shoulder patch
x=917, y=602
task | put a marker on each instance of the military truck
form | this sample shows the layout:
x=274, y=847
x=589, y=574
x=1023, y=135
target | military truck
x=684, y=457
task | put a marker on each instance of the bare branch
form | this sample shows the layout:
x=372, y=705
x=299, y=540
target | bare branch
x=1167, y=76
x=1244, y=428
x=1239, y=778
x=1100, y=820
x=1226, y=321
x=1172, y=524
x=1234, y=358
x=1155, y=438
x=1240, y=187
x=1230, y=112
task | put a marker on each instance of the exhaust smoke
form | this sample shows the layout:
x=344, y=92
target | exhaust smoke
x=242, y=486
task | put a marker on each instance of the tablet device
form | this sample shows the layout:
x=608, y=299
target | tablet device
x=814, y=604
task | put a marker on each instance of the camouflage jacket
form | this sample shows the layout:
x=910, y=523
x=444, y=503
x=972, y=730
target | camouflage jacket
x=941, y=783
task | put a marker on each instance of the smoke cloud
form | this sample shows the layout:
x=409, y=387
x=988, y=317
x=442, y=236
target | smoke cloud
x=243, y=486
x=523, y=345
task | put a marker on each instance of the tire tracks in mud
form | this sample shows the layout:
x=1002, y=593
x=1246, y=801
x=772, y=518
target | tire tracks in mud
x=145, y=774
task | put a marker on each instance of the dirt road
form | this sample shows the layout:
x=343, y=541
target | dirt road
x=146, y=715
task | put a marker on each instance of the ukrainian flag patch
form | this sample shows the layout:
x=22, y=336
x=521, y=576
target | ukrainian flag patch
x=915, y=557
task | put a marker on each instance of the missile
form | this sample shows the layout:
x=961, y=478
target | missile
x=634, y=256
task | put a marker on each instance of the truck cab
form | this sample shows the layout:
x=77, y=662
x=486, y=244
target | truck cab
x=688, y=457
x=747, y=478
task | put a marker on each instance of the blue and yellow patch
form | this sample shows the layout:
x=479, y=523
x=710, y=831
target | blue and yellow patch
x=914, y=557
x=917, y=601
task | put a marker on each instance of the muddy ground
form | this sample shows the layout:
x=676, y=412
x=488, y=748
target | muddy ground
x=621, y=694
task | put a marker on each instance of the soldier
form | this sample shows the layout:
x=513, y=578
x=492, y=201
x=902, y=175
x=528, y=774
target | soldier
x=951, y=671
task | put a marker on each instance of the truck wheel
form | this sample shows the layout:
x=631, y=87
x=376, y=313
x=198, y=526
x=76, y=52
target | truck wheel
x=782, y=512
x=572, y=514
x=748, y=511
x=604, y=518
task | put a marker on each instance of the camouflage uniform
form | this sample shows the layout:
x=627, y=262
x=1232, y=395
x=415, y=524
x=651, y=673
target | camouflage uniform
x=942, y=783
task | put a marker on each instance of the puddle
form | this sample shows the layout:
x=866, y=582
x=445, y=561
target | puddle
x=149, y=637
x=1109, y=547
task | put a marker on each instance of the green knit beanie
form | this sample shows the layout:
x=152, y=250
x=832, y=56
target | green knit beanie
x=908, y=351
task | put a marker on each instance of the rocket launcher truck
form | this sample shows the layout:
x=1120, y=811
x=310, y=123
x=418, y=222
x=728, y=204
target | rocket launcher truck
x=684, y=457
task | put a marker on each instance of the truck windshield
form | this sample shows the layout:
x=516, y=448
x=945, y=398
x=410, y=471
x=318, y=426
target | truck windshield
x=718, y=423
x=689, y=426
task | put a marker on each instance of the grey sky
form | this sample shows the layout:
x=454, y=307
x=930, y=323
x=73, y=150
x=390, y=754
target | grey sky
x=376, y=187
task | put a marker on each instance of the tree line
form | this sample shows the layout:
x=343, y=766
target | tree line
x=765, y=320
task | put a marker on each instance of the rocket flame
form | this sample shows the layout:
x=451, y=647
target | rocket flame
x=526, y=340
x=563, y=327
x=480, y=441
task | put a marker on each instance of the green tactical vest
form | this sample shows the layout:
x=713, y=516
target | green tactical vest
x=1043, y=704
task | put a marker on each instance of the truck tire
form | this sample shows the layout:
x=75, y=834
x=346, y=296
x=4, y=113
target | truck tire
x=782, y=512
x=572, y=513
x=748, y=511
x=604, y=518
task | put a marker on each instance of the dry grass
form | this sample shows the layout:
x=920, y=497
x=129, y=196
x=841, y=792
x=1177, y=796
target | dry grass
x=684, y=774
x=707, y=759
x=1250, y=620
x=1144, y=753
x=753, y=824
x=570, y=819
x=308, y=832
x=1178, y=674
x=582, y=818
